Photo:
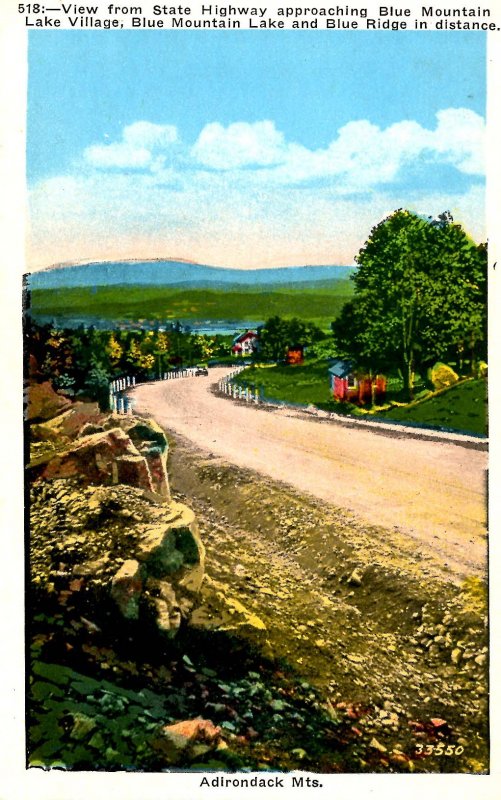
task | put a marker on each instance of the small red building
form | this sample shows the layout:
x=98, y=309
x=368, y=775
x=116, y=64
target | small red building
x=295, y=355
x=355, y=386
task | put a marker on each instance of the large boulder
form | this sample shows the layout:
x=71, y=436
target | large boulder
x=152, y=443
x=161, y=579
x=68, y=425
x=44, y=403
x=163, y=605
x=127, y=588
x=173, y=548
x=108, y=457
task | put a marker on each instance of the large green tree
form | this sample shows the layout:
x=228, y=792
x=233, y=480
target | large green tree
x=277, y=334
x=420, y=294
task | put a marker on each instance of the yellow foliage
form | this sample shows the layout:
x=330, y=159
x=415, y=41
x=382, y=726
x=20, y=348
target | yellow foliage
x=443, y=376
x=162, y=342
x=114, y=350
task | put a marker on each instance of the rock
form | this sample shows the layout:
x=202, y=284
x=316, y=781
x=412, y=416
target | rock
x=92, y=567
x=220, y=611
x=133, y=471
x=355, y=578
x=456, y=655
x=377, y=745
x=127, y=587
x=174, y=548
x=157, y=464
x=183, y=739
x=148, y=432
x=68, y=425
x=163, y=601
x=44, y=403
x=93, y=459
x=480, y=659
x=152, y=443
x=89, y=428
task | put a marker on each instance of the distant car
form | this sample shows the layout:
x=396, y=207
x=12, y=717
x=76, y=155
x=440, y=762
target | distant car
x=201, y=371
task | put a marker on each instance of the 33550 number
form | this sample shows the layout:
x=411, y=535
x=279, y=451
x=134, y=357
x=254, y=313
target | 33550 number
x=440, y=749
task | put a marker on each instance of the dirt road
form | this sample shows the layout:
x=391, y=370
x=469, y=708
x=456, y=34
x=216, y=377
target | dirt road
x=431, y=491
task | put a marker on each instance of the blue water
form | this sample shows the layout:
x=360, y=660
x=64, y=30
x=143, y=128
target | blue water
x=223, y=327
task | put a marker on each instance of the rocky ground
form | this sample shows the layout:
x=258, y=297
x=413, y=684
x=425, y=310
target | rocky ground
x=361, y=613
x=314, y=642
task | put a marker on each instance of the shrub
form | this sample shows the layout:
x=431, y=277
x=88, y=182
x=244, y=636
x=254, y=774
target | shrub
x=442, y=376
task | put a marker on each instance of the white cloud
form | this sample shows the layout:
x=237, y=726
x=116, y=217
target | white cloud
x=360, y=157
x=246, y=196
x=241, y=144
x=147, y=134
x=117, y=155
x=140, y=142
x=364, y=155
x=460, y=137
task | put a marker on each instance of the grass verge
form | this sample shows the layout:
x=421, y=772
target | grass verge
x=462, y=407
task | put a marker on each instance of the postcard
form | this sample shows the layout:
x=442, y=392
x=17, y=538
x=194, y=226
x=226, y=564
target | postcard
x=255, y=248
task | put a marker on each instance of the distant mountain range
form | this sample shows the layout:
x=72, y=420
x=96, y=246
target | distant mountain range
x=181, y=274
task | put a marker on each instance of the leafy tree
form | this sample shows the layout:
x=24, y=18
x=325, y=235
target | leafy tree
x=114, y=351
x=203, y=347
x=140, y=355
x=58, y=358
x=97, y=383
x=323, y=349
x=277, y=334
x=419, y=293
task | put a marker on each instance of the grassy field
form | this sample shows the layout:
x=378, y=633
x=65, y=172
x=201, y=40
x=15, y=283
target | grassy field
x=462, y=407
x=320, y=305
x=305, y=384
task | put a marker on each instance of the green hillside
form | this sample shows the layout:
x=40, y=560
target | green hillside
x=144, y=302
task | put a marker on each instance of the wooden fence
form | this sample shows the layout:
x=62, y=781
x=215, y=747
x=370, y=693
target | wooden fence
x=238, y=392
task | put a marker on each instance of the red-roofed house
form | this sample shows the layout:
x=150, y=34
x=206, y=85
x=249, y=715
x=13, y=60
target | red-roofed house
x=245, y=343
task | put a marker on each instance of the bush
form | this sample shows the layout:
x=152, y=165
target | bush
x=442, y=376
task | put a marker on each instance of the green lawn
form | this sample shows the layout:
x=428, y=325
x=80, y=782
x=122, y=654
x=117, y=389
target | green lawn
x=304, y=384
x=462, y=407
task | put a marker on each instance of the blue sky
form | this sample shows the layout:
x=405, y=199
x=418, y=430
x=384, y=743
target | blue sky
x=244, y=148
